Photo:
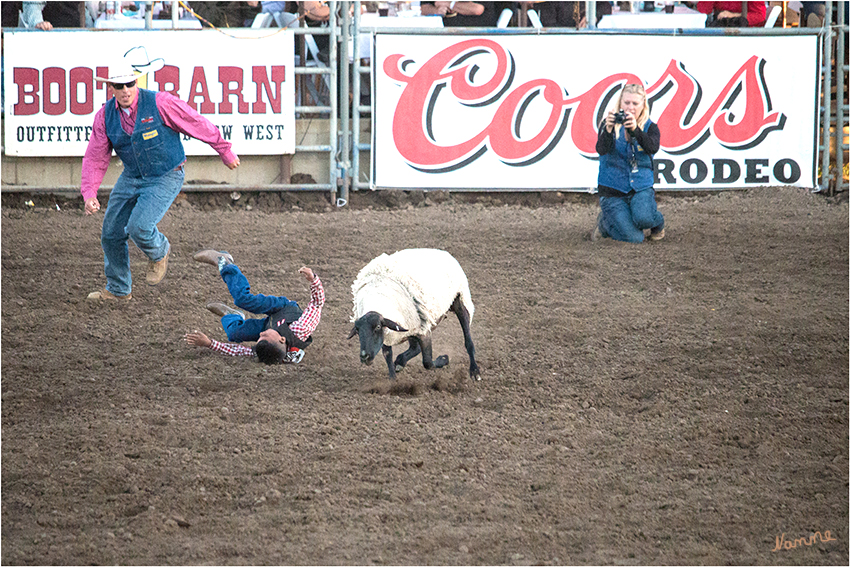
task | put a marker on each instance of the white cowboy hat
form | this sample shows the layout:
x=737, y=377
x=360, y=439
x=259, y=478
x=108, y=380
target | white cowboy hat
x=121, y=72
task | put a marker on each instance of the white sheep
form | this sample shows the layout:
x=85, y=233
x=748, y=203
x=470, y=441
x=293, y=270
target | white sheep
x=404, y=296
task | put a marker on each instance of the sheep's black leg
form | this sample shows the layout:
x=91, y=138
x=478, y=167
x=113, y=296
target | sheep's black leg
x=405, y=357
x=463, y=317
x=439, y=362
x=388, y=355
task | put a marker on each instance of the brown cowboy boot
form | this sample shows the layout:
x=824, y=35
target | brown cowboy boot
x=156, y=270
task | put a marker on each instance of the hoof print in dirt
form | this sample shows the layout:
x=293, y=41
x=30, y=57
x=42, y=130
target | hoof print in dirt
x=395, y=388
x=451, y=383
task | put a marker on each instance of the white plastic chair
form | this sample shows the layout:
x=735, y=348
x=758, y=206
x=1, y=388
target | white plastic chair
x=286, y=20
x=534, y=19
x=282, y=19
x=262, y=20
x=773, y=16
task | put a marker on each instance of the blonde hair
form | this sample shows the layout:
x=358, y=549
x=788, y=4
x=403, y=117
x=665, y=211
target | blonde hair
x=641, y=118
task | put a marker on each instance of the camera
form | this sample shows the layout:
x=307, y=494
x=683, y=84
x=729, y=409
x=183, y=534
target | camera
x=620, y=117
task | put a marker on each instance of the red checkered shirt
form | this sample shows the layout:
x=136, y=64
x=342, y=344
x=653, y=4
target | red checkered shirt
x=231, y=349
x=302, y=328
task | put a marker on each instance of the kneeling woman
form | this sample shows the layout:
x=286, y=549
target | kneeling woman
x=627, y=140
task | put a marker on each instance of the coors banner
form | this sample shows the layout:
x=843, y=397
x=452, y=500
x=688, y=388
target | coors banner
x=521, y=112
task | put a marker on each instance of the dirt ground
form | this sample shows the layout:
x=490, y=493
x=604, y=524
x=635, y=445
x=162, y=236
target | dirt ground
x=676, y=402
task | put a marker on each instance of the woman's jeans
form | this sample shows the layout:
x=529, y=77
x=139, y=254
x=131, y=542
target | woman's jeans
x=625, y=218
x=136, y=205
x=239, y=329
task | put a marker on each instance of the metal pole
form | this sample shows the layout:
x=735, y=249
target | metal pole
x=826, y=98
x=362, y=110
x=590, y=11
x=175, y=16
x=148, y=15
x=345, y=104
x=355, y=122
x=334, y=97
x=841, y=115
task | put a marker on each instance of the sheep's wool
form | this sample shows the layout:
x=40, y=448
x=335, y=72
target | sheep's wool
x=414, y=287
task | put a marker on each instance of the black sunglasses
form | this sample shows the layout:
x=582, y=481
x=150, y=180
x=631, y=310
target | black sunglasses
x=122, y=86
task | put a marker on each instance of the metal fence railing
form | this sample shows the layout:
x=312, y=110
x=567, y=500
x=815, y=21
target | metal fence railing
x=338, y=96
x=834, y=109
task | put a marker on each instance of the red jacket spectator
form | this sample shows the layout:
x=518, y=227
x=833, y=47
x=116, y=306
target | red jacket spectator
x=756, y=11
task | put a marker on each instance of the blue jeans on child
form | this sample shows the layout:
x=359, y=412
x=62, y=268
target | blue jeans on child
x=135, y=207
x=625, y=218
x=238, y=329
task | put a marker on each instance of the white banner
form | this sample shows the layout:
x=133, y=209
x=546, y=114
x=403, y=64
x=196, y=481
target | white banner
x=244, y=86
x=521, y=112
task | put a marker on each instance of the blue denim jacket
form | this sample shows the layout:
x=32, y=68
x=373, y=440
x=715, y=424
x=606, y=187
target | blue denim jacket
x=615, y=169
x=153, y=149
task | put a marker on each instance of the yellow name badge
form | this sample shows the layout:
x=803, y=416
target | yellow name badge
x=150, y=135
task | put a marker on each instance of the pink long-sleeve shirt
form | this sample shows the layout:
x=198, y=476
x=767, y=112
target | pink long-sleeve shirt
x=176, y=114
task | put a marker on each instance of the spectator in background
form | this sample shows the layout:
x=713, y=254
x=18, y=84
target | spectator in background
x=317, y=15
x=813, y=14
x=730, y=14
x=562, y=14
x=466, y=14
x=48, y=15
x=269, y=7
x=316, y=11
x=568, y=14
x=226, y=14
x=11, y=13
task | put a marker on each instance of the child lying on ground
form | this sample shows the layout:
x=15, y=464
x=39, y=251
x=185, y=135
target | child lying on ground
x=282, y=335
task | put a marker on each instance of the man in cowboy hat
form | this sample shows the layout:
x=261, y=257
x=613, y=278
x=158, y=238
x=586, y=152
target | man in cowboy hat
x=143, y=127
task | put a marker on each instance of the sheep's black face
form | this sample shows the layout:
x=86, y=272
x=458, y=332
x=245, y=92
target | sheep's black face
x=370, y=329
